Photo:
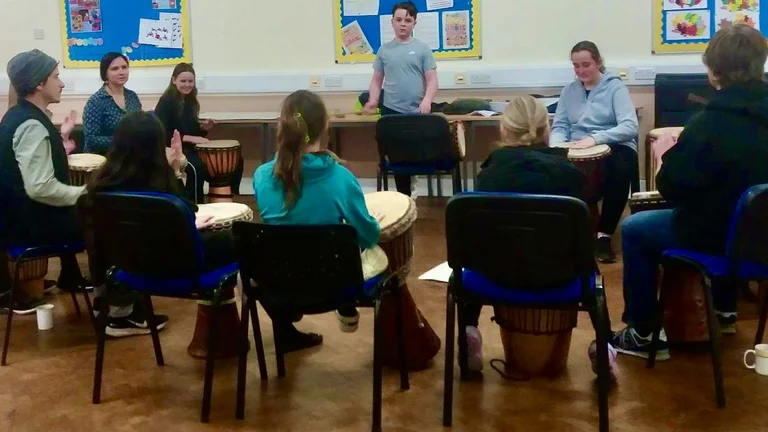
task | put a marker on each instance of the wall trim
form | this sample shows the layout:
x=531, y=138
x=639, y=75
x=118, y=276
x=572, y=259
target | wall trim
x=357, y=77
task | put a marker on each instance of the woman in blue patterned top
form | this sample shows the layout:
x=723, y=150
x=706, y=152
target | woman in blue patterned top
x=106, y=107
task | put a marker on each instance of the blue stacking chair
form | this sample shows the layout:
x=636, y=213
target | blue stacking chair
x=309, y=270
x=18, y=255
x=746, y=259
x=523, y=250
x=417, y=144
x=151, y=241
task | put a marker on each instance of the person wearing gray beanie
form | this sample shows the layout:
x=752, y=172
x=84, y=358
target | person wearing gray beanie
x=38, y=201
x=29, y=69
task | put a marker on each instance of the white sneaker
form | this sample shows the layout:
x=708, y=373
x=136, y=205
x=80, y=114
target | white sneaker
x=348, y=324
x=474, y=349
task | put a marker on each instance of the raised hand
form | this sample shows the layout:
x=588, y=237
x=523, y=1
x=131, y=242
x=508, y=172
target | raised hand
x=68, y=125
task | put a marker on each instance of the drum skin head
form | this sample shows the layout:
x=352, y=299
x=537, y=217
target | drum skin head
x=595, y=152
x=674, y=131
x=85, y=161
x=224, y=214
x=219, y=144
x=398, y=211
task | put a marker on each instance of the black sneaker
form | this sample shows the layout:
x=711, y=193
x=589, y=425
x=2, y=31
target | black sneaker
x=27, y=306
x=727, y=323
x=134, y=324
x=628, y=341
x=603, y=250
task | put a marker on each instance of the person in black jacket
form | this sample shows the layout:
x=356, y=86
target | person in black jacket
x=178, y=109
x=523, y=163
x=722, y=152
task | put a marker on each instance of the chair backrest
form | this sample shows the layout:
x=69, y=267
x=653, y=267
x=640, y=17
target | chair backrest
x=146, y=234
x=407, y=138
x=310, y=268
x=520, y=241
x=748, y=238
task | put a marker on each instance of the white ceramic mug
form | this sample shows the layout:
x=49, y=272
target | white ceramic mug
x=44, y=317
x=761, y=359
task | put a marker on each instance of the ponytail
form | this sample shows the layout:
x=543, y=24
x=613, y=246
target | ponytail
x=525, y=122
x=292, y=137
x=303, y=121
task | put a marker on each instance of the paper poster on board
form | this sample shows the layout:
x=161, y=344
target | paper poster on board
x=456, y=30
x=85, y=16
x=354, y=39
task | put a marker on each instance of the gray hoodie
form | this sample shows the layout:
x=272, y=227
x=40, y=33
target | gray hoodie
x=607, y=114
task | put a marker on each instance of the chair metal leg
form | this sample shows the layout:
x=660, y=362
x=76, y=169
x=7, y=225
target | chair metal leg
x=430, y=193
x=89, y=305
x=456, y=177
x=259, y=342
x=377, y=367
x=210, y=357
x=153, y=330
x=714, y=343
x=9, y=320
x=78, y=313
x=761, y=323
x=658, y=322
x=385, y=180
x=603, y=371
x=450, y=324
x=463, y=347
x=102, y=336
x=439, y=179
x=395, y=290
x=279, y=356
x=242, y=363
x=378, y=180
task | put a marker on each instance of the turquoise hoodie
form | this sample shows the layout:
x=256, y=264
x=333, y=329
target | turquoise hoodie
x=607, y=114
x=330, y=194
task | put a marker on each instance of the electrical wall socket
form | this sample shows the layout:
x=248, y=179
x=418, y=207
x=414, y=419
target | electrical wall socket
x=480, y=78
x=200, y=83
x=38, y=34
x=334, y=81
x=460, y=79
x=648, y=74
x=623, y=74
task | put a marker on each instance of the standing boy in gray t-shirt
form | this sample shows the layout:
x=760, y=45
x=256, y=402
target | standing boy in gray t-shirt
x=411, y=75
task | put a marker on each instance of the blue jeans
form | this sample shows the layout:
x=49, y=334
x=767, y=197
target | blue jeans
x=644, y=237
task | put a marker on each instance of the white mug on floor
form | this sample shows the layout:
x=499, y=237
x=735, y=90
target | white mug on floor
x=761, y=359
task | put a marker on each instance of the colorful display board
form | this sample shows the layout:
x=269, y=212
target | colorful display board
x=148, y=32
x=450, y=27
x=687, y=25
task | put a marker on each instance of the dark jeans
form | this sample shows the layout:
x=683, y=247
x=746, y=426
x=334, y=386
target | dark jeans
x=402, y=182
x=644, y=237
x=618, y=172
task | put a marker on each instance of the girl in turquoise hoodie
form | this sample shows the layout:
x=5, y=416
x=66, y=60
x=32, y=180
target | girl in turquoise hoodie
x=596, y=109
x=306, y=185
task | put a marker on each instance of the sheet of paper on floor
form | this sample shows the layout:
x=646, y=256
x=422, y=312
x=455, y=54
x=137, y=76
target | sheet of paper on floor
x=440, y=273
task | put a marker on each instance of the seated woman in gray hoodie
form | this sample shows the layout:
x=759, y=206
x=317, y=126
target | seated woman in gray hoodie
x=596, y=109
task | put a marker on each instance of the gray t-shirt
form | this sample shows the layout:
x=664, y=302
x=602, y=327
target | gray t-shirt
x=404, y=65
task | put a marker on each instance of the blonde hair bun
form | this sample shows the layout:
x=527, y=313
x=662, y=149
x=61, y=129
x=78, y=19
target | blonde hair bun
x=525, y=121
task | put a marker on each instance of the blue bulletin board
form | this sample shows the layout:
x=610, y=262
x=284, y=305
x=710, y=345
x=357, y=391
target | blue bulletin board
x=450, y=27
x=687, y=25
x=148, y=32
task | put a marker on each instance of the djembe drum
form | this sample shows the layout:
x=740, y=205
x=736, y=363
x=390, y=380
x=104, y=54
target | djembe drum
x=650, y=161
x=226, y=344
x=82, y=165
x=591, y=161
x=221, y=159
x=685, y=308
x=31, y=280
x=396, y=239
x=535, y=341
x=459, y=135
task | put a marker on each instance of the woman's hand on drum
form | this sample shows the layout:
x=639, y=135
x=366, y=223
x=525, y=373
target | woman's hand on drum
x=69, y=146
x=207, y=124
x=584, y=143
x=204, y=221
x=68, y=125
x=378, y=216
x=195, y=139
